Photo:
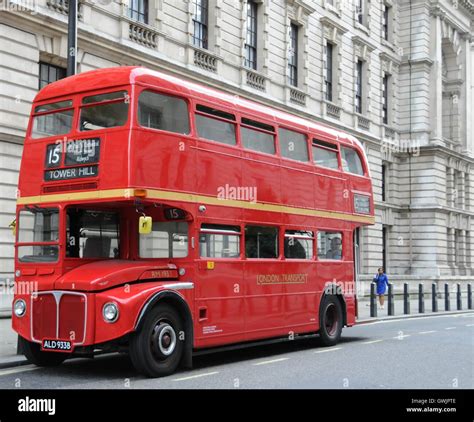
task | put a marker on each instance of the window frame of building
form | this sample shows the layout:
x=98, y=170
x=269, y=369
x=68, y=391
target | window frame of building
x=386, y=21
x=385, y=232
x=138, y=10
x=59, y=73
x=386, y=79
x=384, y=173
x=251, y=35
x=359, y=86
x=329, y=71
x=293, y=54
x=361, y=12
x=200, y=20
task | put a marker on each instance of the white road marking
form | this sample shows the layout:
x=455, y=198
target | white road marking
x=328, y=350
x=427, y=332
x=402, y=336
x=450, y=328
x=266, y=362
x=196, y=376
x=372, y=341
x=469, y=325
x=18, y=370
x=387, y=321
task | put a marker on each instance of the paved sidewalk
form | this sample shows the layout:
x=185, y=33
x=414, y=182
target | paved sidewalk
x=8, y=338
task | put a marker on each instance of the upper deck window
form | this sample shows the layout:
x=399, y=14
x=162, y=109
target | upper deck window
x=215, y=125
x=55, y=119
x=164, y=112
x=351, y=161
x=325, y=154
x=261, y=139
x=293, y=145
x=104, y=111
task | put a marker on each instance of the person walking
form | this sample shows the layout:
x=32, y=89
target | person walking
x=382, y=283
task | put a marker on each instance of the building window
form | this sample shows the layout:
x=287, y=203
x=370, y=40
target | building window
x=251, y=38
x=200, y=21
x=384, y=182
x=358, y=91
x=360, y=11
x=385, y=22
x=328, y=77
x=384, y=247
x=138, y=10
x=50, y=73
x=385, y=88
x=293, y=56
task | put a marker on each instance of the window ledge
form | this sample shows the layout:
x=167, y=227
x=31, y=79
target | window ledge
x=205, y=59
x=296, y=95
x=332, y=110
x=362, y=27
x=362, y=122
x=254, y=79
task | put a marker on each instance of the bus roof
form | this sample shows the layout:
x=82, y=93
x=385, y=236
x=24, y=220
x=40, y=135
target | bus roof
x=126, y=75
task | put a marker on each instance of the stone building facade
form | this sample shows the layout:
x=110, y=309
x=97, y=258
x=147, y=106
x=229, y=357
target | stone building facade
x=397, y=74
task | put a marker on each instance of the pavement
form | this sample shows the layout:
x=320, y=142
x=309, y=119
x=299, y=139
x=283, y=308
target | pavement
x=422, y=353
x=8, y=338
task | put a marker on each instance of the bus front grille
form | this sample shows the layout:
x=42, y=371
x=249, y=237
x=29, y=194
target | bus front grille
x=59, y=315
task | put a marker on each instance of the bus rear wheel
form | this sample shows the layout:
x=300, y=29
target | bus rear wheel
x=36, y=356
x=156, y=349
x=330, y=321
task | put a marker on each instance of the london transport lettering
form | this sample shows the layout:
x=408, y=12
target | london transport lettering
x=282, y=279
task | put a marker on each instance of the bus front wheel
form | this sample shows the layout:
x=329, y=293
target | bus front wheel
x=156, y=349
x=330, y=321
x=36, y=356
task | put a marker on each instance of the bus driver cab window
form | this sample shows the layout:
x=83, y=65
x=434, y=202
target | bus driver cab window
x=92, y=234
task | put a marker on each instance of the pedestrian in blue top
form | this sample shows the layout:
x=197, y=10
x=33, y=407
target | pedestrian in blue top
x=382, y=283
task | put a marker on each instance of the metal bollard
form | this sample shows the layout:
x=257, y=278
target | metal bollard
x=421, y=299
x=447, y=303
x=458, y=297
x=406, y=299
x=469, y=296
x=391, y=302
x=373, y=301
x=434, y=298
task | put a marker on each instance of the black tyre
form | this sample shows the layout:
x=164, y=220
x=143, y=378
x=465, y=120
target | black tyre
x=330, y=321
x=156, y=349
x=36, y=356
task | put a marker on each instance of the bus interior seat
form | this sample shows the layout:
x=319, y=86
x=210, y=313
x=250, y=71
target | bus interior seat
x=97, y=247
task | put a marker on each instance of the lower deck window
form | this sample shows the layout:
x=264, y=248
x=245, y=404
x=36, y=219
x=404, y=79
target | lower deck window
x=261, y=242
x=330, y=245
x=298, y=244
x=168, y=239
x=217, y=241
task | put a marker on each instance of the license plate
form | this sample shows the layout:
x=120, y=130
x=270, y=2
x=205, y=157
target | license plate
x=49, y=345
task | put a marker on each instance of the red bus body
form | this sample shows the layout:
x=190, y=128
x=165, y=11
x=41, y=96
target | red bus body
x=143, y=170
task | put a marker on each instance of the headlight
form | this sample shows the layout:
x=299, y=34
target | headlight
x=17, y=273
x=19, y=307
x=110, y=312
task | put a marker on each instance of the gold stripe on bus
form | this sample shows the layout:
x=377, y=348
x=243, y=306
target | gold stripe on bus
x=193, y=198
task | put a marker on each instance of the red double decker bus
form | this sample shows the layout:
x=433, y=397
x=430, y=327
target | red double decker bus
x=161, y=217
